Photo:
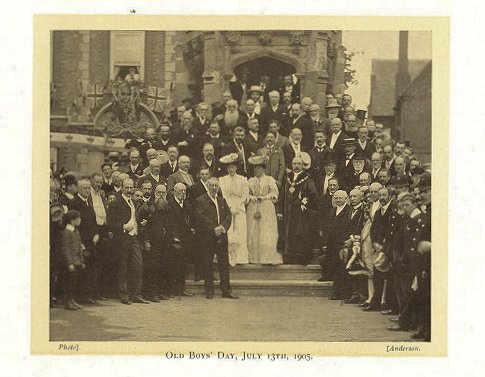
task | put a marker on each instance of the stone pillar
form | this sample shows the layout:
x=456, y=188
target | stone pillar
x=155, y=58
x=182, y=77
x=314, y=84
x=339, y=72
x=213, y=76
x=99, y=49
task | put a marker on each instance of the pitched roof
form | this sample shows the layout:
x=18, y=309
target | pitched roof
x=383, y=84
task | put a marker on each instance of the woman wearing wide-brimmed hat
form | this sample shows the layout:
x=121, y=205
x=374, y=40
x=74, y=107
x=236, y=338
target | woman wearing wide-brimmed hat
x=261, y=215
x=235, y=190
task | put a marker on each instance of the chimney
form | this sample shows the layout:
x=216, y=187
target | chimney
x=403, y=77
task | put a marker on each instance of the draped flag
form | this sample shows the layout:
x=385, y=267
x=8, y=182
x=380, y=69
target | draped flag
x=156, y=99
x=94, y=95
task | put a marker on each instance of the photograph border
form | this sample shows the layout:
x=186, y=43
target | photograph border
x=44, y=24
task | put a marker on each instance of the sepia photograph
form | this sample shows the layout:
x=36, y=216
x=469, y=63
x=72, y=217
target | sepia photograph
x=240, y=185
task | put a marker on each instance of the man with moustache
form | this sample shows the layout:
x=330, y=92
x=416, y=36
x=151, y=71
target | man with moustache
x=291, y=86
x=215, y=138
x=180, y=232
x=149, y=142
x=182, y=175
x=248, y=113
x=188, y=138
x=230, y=119
x=304, y=124
x=238, y=145
x=213, y=219
x=153, y=174
x=171, y=166
x=383, y=177
x=135, y=168
x=316, y=117
x=208, y=159
x=376, y=166
x=89, y=231
x=280, y=140
x=121, y=219
x=335, y=232
x=337, y=138
x=275, y=164
x=389, y=159
x=363, y=143
x=165, y=137
x=287, y=101
x=253, y=139
x=297, y=208
x=346, y=102
x=319, y=155
x=274, y=111
x=293, y=148
x=201, y=121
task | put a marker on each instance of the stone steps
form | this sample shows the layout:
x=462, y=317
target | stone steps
x=278, y=281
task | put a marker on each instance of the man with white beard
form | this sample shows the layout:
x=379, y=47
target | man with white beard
x=231, y=117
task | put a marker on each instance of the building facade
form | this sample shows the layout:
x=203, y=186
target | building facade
x=94, y=111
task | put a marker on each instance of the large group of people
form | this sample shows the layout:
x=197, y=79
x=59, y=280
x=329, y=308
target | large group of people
x=261, y=179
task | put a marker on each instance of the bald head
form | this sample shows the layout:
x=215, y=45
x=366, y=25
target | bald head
x=336, y=125
x=184, y=163
x=297, y=164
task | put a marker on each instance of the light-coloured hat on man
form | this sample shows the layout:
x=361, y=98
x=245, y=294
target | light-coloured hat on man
x=255, y=88
x=332, y=104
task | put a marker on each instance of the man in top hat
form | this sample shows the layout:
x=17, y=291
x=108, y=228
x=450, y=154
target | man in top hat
x=297, y=208
x=291, y=85
x=336, y=138
x=275, y=164
x=239, y=85
x=351, y=174
x=319, y=154
x=273, y=111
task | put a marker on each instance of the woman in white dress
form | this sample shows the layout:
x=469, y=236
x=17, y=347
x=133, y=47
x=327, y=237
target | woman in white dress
x=235, y=190
x=261, y=215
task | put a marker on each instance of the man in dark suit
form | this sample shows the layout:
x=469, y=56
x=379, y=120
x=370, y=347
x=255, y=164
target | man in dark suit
x=247, y=113
x=304, y=124
x=376, y=166
x=180, y=232
x=280, y=140
x=274, y=111
x=317, y=119
x=215, y=137
x=103, y=258
x=320, y=155
x=107, y=170
x=335, y=232
x=292, y=86
x=153, y=174
x=187, y=138
x=293, y=148
x=389, y=159
x=71, y=189
x=89, y=236
x=149, y=142
x=182, y=175
x=275, y=165
x=213, y=219
x=253, y=138
x=122, y=223
x=363, y=143
x=208, y=159
x=201, y=121
x=171, y=166
x=165, y=137
x=135, y=168
x=200, y=187
x=238, y=145
x=337, y=138
x=351, y=173
x=239, y=86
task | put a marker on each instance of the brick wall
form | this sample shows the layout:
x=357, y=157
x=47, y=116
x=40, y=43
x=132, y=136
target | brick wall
x=99, y=56
x=66, y=70
x=154, y=58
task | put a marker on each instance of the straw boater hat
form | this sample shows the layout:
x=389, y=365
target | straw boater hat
x=332, y=104
x=255, y=88
x=258, y=160
x=229, y=159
